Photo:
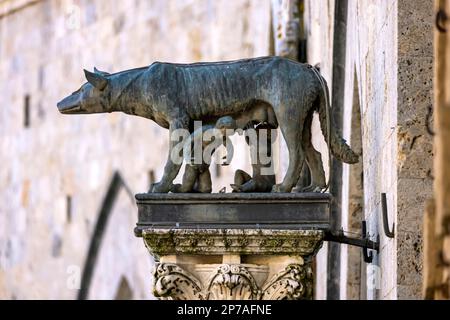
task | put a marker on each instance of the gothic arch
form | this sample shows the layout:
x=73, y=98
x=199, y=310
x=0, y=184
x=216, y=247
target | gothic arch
x=124, y=291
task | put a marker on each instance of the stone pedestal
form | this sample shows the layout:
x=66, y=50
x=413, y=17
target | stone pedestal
x=264, y=252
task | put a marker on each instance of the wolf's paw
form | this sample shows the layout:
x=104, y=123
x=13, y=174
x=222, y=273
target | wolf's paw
x=159, y=188
x=176, y=188
x=311, y=188
x=279, y=188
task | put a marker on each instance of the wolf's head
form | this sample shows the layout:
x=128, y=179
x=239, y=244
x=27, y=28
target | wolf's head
x=92, y=97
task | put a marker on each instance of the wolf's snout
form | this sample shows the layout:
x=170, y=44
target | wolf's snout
x=68, y=105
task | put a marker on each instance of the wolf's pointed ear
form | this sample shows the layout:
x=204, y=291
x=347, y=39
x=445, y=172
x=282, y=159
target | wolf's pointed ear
x=97, y=80
x=103, y=73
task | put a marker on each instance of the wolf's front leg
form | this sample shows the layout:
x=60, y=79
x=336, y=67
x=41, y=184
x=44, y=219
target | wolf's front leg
x=175, y=157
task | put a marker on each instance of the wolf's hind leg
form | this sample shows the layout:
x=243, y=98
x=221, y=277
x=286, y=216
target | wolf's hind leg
x=314, y=161
x=292, y=135
x=296, y=158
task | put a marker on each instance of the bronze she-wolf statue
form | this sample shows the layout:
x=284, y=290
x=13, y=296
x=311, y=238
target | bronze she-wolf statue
x=176, y=95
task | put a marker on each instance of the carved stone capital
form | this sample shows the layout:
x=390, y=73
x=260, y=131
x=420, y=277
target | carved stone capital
x=233, y=264
x=161, y=242
x=295, y=282
x=172, y=281
x=233, y=282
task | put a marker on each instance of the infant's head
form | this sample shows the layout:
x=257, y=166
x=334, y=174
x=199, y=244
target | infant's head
x=226, y=122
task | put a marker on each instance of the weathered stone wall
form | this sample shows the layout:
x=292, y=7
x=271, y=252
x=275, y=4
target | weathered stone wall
x=372, y=62
x=415, y=149
x=389, y=55
x=44, y=45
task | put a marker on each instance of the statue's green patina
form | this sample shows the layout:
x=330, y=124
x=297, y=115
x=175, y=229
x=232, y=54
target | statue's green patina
x=270, y=90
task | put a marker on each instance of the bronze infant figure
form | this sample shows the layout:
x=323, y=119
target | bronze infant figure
x=197, y=177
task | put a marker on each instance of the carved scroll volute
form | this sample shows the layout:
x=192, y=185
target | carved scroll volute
x=232, y=282
x=293, y=283
x=173, y=283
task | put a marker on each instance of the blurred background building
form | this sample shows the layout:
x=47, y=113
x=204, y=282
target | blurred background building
x=56, y=171
x=67, y=210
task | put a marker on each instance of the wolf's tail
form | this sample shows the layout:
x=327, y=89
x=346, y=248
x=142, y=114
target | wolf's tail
x=338, y=146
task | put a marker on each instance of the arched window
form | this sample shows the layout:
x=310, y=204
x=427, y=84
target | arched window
x=124, y=291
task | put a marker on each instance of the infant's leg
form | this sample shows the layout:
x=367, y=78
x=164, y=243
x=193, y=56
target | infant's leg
x=204, y=183
x=189, y=178
x=240, y=178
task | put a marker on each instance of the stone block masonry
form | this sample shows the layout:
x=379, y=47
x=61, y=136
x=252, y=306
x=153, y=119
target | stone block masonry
x=44, y=46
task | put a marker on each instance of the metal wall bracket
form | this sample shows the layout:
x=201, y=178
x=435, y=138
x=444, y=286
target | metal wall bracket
x=387, y=232
x=441, y=20
x=367, y=256
x=364, y=243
